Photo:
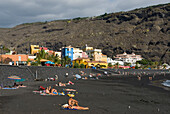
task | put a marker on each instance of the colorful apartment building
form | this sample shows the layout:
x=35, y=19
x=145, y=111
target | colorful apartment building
x=19, y=59
x=34, y=49
x=78, y=53
x=67, y=51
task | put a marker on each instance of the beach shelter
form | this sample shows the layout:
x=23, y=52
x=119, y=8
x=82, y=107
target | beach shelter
x=49, y=62
x=44, y=60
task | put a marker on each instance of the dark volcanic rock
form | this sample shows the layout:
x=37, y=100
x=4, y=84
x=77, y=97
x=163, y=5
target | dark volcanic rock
x=143, y=31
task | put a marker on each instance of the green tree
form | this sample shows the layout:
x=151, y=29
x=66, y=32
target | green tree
x=110, y=65
x=41, y=55
x=65, y=61
x=82, y=66
x=34, y=64
x=136, y=67
x=76, y=65
x=127, y=64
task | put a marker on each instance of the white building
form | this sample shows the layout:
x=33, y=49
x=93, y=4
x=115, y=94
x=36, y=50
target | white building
x=58, y=54
x=77, y=53
x=128, y=58
x=113, y=62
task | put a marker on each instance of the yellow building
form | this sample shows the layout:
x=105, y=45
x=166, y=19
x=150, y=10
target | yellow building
x=89, y=63
x=104, y=58
x=99, y=64
x=81, y=61
x=34, y=49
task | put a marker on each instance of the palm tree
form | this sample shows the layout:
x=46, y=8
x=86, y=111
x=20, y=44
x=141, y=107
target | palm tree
x=65, y=61
x=41, y=55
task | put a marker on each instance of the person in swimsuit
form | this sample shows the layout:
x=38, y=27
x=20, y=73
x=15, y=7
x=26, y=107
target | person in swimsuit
x=72, y=102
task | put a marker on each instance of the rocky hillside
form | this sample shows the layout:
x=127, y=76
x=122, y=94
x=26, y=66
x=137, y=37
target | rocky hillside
x=144, y=31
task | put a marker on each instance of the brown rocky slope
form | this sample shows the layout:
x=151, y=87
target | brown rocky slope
x=143, y=31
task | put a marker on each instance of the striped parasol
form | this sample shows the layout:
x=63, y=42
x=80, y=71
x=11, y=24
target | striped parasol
x=14, y=78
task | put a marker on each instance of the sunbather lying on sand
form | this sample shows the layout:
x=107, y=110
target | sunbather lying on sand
x=70, y=83
x=69, y=89
x=71, y=105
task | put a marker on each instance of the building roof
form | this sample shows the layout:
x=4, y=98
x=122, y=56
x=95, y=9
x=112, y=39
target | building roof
x=81, y=58
x=44, y=48
x=44, y=60
x=96, y=62
x=68, y=46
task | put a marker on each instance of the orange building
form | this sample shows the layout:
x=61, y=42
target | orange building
x=19, y=59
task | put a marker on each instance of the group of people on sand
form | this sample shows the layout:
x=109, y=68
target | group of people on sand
x=72, y=103
x=50, y=91
x=15, y=86
x=64, y=84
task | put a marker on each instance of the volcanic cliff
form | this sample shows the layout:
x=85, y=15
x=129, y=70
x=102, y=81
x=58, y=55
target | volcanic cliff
x=144, y=31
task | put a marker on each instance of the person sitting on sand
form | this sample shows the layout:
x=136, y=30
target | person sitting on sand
x=51, y=91
x=61, y=84
x=54, y=92
x=21, y=85
x=15, y=85
x=71, y=105
x=72, y=102
x=47, y=90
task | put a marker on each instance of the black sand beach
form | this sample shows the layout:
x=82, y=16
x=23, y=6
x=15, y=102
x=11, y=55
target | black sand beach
x=109, y=95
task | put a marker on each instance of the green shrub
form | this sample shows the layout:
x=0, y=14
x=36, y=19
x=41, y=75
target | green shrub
x=110, y=65
x=76, y=65
x=82, y=66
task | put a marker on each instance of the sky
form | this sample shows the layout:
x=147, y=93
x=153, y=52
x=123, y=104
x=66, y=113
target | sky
x=15, y=12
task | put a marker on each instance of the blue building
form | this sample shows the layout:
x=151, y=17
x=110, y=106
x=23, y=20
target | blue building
x=67, y=51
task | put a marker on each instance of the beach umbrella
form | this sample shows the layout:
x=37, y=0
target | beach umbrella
x=16, y=78
x=20, y=80
x=49, y=62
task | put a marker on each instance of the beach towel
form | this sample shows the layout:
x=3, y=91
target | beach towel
x=45, y=94
x=65, y=107
x=9, y=88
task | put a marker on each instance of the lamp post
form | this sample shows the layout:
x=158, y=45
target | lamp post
x=1, y=46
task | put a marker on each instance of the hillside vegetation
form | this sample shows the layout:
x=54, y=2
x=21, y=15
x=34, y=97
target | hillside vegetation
x=144, y=31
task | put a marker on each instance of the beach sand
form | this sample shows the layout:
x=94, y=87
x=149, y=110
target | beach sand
x=108, y=95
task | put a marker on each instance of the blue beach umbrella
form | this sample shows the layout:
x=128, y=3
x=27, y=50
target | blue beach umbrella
x=49, y=62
